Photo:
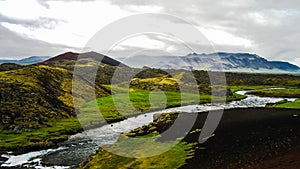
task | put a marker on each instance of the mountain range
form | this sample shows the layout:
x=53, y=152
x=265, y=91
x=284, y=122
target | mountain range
x=220, y=61
x=27, y=61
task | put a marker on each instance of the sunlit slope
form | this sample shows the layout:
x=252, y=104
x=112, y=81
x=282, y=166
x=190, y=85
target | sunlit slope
x=32, y=96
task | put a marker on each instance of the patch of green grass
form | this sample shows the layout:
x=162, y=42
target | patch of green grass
x=52, y=132
x=289, y=92
x=150, y=153
x=290, y=105
x=174, y=158
x=243, y=87
x=47, y=136
x=117, y=107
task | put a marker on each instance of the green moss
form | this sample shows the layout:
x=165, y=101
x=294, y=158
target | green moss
x=253, y=87
x=195, y=131
x=289, y=92
x=43, y=137
x=174, y=158
x=289, y=105
x=37, y=101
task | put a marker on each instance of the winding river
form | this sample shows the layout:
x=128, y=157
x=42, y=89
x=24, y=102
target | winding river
x=71, y=152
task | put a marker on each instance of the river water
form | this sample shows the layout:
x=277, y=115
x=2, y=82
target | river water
x=79, y=146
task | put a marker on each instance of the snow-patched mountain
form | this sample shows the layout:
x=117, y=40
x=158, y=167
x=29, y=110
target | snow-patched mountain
x=219, y=61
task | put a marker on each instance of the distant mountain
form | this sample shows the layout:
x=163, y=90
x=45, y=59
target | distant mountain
x=71, y=56
x=27, y=61
x=220, y=61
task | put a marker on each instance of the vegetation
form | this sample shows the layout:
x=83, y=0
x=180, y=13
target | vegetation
x=115, y=107
x=10, y=66
x=174, y=158
x=37, y=101
x=286, y=104
x=31, y=96
x=44, y=137
x=287, y=93
x=35, y=95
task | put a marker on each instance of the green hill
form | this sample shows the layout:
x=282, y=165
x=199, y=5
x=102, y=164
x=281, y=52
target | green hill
x=37, y=107
x=35, y=95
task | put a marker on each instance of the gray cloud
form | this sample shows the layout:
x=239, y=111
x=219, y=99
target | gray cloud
x=43, y=3
x=41, y=22
x=272, y=26
x=181, y=49
x=15, y=46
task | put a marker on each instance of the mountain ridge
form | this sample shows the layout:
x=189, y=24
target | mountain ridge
x=219, y=61
x=230, y=61
x=94, y=56
x=26, y=61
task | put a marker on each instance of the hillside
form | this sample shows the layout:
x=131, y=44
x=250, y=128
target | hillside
x=68, y=59
x=34, y=95
x=10, y=66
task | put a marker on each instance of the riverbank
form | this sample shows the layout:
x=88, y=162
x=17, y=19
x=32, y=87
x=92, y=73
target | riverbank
x=243, y=138
x=79, y=146
x=54, y=132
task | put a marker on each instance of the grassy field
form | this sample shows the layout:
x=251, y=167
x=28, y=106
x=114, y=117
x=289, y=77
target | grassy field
x=260, y=87
x=35, y=139
x=53, y=132
x=174, y=158
x=289, y=105
x=116, y=107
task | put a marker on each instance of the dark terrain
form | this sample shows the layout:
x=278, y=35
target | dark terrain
x=253, y=138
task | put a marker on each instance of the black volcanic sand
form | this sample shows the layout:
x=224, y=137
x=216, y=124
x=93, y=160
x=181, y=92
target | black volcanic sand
x=249, y=138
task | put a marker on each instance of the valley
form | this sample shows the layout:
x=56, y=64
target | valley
x=37, y=109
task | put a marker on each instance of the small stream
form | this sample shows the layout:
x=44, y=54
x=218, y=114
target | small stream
x=79, y=146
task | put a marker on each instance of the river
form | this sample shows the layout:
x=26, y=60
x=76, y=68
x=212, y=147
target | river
x=79, y=146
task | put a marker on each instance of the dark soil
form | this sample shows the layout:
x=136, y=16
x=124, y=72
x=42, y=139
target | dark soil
x=249, y=138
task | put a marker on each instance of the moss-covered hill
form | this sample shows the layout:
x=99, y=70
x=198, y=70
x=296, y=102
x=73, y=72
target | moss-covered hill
x=10, y=66
x=32, y=96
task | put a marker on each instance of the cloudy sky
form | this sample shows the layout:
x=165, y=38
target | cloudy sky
x=268, y=28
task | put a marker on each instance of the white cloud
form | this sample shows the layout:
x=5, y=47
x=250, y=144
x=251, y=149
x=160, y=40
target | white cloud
x=26, y=9
x=140, y=41
x=221, y=37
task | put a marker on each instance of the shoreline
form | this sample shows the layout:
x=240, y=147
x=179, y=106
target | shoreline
x=243, y=138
